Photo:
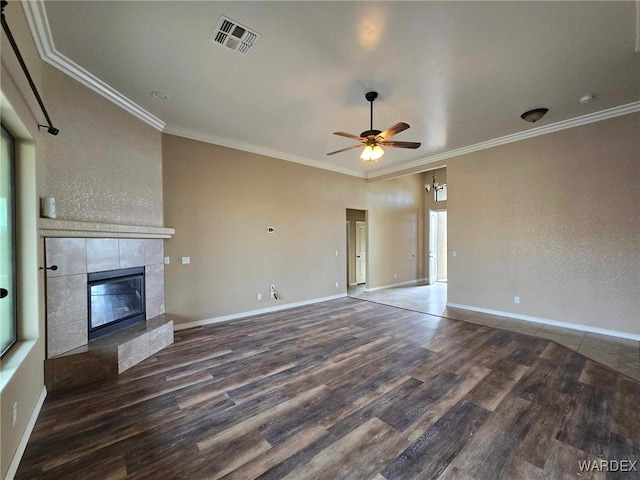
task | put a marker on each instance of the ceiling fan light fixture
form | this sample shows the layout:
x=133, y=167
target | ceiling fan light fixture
x=372, y=154
x=370, y=138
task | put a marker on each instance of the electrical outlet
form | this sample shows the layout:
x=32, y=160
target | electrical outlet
x=516, y=299
x=336, y=253
x=272, y=291
x=337, y=284
x=167, y=260
x=14, y=412
x=395, y=275
x=259, y=296
x=454, y=254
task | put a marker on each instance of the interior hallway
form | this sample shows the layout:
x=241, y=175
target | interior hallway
x=619, y=354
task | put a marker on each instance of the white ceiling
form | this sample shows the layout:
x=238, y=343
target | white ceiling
x=458, y=73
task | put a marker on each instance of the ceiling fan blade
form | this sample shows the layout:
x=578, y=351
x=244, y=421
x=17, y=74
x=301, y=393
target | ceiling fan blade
x=345, y=149
x=348, y=135
x=400, y=144
x=397, y=128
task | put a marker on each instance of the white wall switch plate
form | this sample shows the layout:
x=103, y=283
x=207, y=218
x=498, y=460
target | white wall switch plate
x=337, y=284
x=454, y=254
x=516, y=299
x=336, y=253
x=259, y=296
x=186, y=260
x=167, y=260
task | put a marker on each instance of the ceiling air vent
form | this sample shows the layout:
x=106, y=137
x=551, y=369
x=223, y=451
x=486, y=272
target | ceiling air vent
x=234, y=36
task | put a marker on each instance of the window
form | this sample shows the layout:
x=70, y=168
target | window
x=8, y=317
x=441, y=194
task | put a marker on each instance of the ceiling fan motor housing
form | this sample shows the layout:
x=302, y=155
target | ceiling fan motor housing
x=371, y=96
x=370, y=133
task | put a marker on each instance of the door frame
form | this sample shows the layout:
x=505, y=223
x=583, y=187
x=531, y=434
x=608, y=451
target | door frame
x=432, y=241
x=366, y=251
x=347, y=256
x=429, y=274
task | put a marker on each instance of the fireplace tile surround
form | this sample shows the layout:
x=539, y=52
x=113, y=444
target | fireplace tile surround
x=67, y=317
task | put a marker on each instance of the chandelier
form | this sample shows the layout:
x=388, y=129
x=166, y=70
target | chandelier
x=435, y=186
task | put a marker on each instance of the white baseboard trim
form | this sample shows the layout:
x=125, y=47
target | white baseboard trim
x=251, y=313
x=546, y=321
x=410, y=282
x=15, y=462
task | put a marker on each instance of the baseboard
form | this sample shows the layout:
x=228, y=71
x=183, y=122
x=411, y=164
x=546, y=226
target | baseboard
x=410, y=282
x=546, y=321
x=15, y=462
x=251, y=313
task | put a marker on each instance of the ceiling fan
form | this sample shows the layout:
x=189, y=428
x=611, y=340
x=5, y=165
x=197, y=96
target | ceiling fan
x=375, y=139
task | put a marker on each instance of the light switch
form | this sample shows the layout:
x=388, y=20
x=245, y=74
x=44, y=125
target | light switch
x=186, y=260
x=167, y=260
x=454, y=253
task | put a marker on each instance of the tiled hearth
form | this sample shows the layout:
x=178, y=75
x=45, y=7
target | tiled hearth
x=67, y=311
x=67, y=308
x=104, y=358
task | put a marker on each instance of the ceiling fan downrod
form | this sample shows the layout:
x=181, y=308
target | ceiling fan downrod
x=371, y=133
x=371, y=96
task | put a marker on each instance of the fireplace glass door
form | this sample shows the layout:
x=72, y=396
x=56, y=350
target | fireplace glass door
x=116, y=300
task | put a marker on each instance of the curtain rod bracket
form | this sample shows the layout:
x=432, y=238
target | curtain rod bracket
x=52, y=130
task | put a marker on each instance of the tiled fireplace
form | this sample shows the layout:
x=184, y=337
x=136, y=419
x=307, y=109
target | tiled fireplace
x=78, y=260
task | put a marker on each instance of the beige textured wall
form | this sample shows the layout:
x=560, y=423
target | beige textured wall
x=555, y=220
x=104, y=166
x=395, y=227
x=221, y=201
x=352, y=217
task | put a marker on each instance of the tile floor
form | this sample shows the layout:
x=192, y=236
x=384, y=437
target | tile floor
x=617, y=353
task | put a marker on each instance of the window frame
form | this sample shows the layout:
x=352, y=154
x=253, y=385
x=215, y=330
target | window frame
x=6, y=133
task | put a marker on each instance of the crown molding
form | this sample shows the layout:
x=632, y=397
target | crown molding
x=39, y=25
x=534, y=132
x=246, y=147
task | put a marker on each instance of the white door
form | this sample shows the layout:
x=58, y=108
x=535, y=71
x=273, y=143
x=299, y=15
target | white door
x=433, y=247
x=361, y=252
x=348, y=266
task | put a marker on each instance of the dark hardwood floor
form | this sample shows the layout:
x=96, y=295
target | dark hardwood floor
x=344, y=389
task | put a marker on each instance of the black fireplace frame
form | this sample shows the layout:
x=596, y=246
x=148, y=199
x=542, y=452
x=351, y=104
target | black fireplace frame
x=115, y=275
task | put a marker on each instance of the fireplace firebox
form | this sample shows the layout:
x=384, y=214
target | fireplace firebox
x=115, y=299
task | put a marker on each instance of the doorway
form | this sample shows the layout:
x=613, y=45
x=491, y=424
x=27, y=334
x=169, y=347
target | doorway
x=361, y=253
x=356, y=248
x=437, y=246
